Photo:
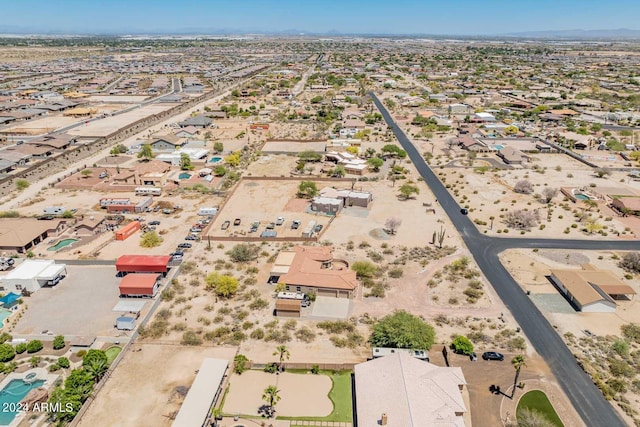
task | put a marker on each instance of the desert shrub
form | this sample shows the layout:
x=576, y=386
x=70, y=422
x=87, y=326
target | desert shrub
x=521, y=219
x=63, y=362
x=271, y=368
x=462, y=345
x=257, y=334
x=631, y=262
x=58, y=342
x=364, y=269
x=395, y=273
x=243, y=252
x=7, y=352
x=240, y=363
x=523, y=187
x=258, y=304
x=517, y=343
x=620, y=368
x=190, y=338
x=631, y=332
x=34, y=346
x=336, y=327
x=305, y=334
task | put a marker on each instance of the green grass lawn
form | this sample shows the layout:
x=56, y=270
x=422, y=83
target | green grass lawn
x=340, y=395
x=536, y=400
x=112, y=353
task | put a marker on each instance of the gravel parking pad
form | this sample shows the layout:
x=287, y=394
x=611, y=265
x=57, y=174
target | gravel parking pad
x=79, y=305
x=328, y=307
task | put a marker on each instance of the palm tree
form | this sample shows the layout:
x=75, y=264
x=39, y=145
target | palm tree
x=97, y=368
x=283, y=353
x=271, y=396
x=518, y=363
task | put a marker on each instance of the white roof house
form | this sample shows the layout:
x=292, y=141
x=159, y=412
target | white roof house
x=409, y=392
x=203, y=393
x=175, y=156
x=31, y=275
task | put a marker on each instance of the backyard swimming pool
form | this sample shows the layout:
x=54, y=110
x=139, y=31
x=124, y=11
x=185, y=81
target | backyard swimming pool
x=11, y=395
x=184, y=175
x=498, y=146
x=4, y=313
x=215, y=159
x=61, y=244
x=581, y=196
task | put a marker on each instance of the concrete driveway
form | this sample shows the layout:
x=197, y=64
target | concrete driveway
x=331, y=308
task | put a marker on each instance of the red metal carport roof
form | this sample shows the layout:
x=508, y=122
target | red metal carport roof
x=138, y=281
x=145, y=262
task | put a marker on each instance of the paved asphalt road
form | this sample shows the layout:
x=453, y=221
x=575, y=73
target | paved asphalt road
x=584, y=395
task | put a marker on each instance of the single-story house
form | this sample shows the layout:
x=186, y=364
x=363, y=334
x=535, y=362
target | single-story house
x=188, y=132
x=21, y=234
x=591, y=290
x=200, y=122
x=6, y=166
x=470, y=143
x=326, y=205
x=512, y=156
x=288, y=307
x=31, y=275
x=401, y=390
x=166, y=142
x=483, y=117
x=139, y=285
x=312, y=269
x=348, y=197
x=90, y=225
x=627, y=204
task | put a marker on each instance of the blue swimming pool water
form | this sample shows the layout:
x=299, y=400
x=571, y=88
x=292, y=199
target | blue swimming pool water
x=4, y=313
x=498, y=146
x=581, y=196
x=61, y=244
x=215, y=159
x=184, y=176
x=12, y=394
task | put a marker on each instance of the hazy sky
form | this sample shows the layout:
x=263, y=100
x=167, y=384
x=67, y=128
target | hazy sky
x=463, y=17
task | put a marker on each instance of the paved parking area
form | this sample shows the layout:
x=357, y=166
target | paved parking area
x=552, y=303
x=329, y=307
x=79, y=305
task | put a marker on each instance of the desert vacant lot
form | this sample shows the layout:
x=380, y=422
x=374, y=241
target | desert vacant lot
x=141, y=391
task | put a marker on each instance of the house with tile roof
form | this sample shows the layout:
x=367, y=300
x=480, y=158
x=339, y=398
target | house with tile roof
x=400, y=390
x=312, y=269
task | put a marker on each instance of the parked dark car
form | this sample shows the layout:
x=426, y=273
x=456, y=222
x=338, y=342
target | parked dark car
x=318, y=228
x=295, y=224
x=464, y=211
x=492, y=355
x=237, y=221
x=154, y=222
x=191, y=237
x=185, y=245
x=177, y=254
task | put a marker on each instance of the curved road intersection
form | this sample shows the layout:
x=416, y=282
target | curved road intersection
x=584, y=395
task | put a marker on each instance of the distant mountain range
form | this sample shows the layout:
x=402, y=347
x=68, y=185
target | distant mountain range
x=620, y=33
x=578, y=34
